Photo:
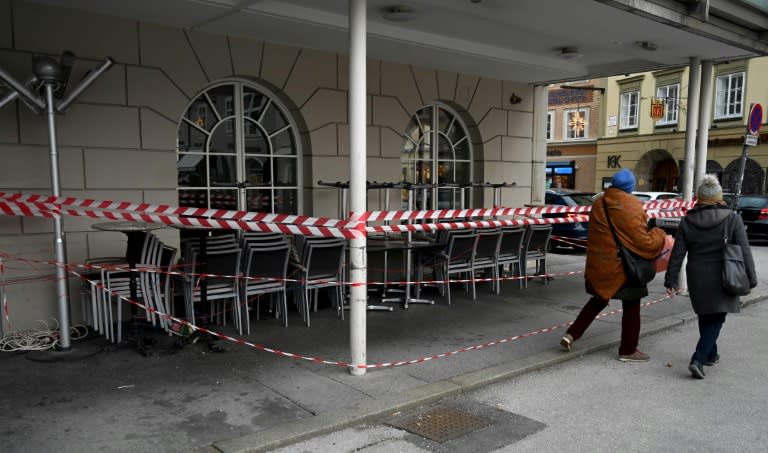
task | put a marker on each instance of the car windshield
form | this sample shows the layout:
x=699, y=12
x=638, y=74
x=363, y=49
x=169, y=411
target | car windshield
x=642, y=196
x=582, y=199
x=753, y=202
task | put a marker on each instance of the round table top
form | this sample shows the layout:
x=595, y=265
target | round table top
x=127, y=226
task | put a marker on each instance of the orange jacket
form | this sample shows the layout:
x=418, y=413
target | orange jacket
x=604, y=271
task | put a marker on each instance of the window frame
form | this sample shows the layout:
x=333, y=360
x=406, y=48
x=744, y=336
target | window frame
x=430, y=136
x=718, y=110
x=566, y=123
x=624, y=114
x=232, y=113
x=671, y=113
x=550, y=125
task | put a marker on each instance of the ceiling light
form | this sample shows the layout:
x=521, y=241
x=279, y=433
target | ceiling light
x=399, y=13
x=569, y=52
x=646, y=45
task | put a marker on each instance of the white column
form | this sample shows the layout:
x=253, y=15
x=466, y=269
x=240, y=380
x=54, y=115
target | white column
x=539, y=147
x=691, y=120
x=705, y=110
x=357, y=178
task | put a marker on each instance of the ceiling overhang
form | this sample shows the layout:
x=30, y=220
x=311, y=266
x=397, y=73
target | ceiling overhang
x=521, y=40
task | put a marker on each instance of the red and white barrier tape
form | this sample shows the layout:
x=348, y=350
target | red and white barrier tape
x=175, y=211
x=344, y=364
x=19, y=208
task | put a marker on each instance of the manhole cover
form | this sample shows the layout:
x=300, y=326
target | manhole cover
x=442, y=424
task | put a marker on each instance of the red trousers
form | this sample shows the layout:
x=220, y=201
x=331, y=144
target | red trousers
x=630, y=322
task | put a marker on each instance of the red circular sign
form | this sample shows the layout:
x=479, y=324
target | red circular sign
x=755, y=118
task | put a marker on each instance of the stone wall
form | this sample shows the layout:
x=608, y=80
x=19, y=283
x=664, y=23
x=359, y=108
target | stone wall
x=117, y=142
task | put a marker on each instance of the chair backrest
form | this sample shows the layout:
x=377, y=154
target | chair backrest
x=537, y=239
x=323, y=259
x=267, y=261
x=511, y=241
x=488, y=244
x=255, y=237
x=220, y=261
x=462, y=247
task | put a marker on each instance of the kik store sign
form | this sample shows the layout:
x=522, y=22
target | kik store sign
x=613, y=161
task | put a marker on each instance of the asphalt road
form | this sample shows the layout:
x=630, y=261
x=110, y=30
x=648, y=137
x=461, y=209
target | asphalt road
x=596, y=403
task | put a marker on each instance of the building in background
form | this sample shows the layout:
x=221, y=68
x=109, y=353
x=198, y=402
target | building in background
x=573, y=128
x=654, y=148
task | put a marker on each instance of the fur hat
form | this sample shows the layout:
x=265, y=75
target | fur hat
x=709, y=189
x=623, y=179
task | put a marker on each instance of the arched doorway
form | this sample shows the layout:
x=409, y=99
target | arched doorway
x=714, y=168
x=665, y=176
x=753, y=177
x=657, y=171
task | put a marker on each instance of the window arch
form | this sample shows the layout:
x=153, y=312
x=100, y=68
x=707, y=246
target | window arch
x=239, y=148
x=437, y=127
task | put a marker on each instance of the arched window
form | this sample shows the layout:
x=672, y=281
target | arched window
x=437, y=127
x=238, y=148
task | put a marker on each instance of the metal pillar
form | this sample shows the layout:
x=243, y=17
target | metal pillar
x=705, y=107
x=54, y=74
x=357, y=182
x=58, y=230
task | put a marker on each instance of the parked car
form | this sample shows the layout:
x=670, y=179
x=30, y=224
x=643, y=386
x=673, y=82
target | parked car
x=654, y=196
x=668, y=224
x=566, y=197
x=754, y=212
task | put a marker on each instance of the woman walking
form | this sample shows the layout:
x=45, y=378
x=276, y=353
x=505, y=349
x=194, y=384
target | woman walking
x=618, y=214
x=700, y=235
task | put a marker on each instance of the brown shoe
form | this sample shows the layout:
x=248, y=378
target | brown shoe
x=636, y=356
x=566, y=342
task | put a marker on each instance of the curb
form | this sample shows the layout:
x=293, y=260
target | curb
x=293, y=432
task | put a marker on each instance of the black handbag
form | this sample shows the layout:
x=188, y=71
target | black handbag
x=735, y=279
x=639, y=270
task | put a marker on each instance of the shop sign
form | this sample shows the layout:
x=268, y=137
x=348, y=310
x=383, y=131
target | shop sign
x=657, y=108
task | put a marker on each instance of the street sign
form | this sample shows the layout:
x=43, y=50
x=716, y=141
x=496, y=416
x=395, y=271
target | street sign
x=755, y=119
x=750, y=140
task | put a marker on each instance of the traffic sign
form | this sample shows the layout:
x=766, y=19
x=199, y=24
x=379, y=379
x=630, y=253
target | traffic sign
x=755, y=119
x=750, y=140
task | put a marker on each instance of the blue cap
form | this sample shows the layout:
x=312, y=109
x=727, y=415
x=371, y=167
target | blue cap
x=624, y=180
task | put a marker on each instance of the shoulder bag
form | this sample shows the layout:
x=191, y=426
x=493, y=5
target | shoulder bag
x=639, y=270
x=735, y=279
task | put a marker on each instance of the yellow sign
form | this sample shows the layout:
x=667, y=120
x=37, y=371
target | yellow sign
x=657, y=108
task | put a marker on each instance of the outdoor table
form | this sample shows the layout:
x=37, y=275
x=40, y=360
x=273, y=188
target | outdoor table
x=136, y=233
x=408, y=246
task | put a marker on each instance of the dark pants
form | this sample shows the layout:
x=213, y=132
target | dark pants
x=709, y=330
x=630, y=322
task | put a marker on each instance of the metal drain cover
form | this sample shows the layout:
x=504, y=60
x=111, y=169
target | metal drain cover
x=441, y=424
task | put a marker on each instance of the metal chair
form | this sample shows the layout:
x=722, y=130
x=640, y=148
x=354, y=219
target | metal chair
x=460, y=259
x=509, y=252
x=266, y=268
x=535, y=245
x=225, y=263
x=487, y=254
x=321, y=266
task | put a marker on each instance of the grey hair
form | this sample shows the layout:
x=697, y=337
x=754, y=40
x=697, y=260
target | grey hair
x=709, y=188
